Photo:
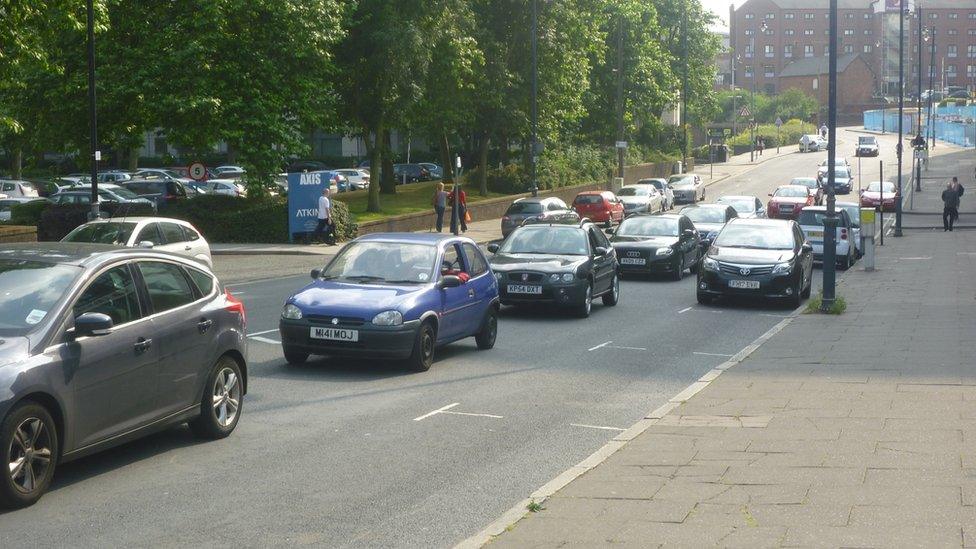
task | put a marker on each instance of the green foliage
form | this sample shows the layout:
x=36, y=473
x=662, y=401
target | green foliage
x=792, y=103
x=510, y=179
x=815, y=305
x=789, y=133
x=56, y=221
x=28, y=213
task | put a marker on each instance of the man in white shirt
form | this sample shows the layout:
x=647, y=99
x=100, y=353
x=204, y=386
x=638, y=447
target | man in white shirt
x=326, y=228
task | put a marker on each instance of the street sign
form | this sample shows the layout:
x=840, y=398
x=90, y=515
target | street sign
x=197, y=171
x=745, y=112
x=621, y=144
x=779, y=122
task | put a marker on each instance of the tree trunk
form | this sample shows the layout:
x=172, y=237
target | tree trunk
x=503, y=149
x=133, y=159
x=17, y=165
x=231, y=153
x=387, y=182
x=483, y=163
x=446, y=161
x=375, y=170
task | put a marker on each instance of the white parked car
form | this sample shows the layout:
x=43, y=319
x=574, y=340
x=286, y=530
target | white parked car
x=641, y=199
x=227, y=187
x=853, y=210
x=159, y=233
x=14, y=188
x=160, y=173
x=688, y=188
x=356, y=179
x=667, y=192
x=812, y=143
x=811, y=220
x=113, y=177
x=229, y=171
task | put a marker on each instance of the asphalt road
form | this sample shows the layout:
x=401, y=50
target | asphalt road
x=336, y=453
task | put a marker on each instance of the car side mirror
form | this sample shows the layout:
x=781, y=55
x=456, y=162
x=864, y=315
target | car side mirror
x=600, y=251
x=688, y=233
x=807, y=247
x=146, y=244
x=769, y=194
x=493, y=248
x=609, y=230
x=92, y=324
x=316, y=274
x=449, y=281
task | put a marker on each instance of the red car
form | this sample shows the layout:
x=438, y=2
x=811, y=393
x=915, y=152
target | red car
x=788, y=200
x=599, y=207
x=880, y=195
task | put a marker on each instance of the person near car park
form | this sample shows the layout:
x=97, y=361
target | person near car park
x=325, y=228
x=950, y=197
x=462, y=209
x=439, y=201
x=958, y=186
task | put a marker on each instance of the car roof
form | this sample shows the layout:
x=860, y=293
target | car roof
x=737, y=197
x=661, y=215
x=139, y=219
x=78, y=254
x=762, y=222
x=847, y=204
x=411, y=238
x=533, y=199
x=792, y=186
x=707, y=206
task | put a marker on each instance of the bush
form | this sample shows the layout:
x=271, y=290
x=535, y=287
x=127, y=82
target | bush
x=789, y=133
x=28, y=213
x=510, y=179
x=57, y=220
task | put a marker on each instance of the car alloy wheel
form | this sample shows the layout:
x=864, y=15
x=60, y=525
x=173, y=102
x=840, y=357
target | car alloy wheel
x=221, y=406
x=587, y=305
x=226, y=397
x=29, y=455
x=610, y=298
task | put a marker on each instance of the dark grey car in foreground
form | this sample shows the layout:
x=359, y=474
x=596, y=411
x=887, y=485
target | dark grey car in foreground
x=100, y=345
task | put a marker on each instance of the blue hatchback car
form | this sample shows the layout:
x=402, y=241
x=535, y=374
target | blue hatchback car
x=394, y=296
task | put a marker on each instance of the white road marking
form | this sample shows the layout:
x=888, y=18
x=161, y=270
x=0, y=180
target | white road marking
x=627, y=348
x=470, y=414
x=437, y=411
x=262, y=333
x=711, y=354
x=600, y=346
x=265, y=340
x=915, y=258
x=598, y=427
x=774, y=316
x=685, y=310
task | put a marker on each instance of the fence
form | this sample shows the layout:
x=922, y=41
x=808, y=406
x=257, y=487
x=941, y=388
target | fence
x=956, y=125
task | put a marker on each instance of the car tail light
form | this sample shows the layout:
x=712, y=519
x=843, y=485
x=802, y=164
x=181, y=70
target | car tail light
x=843, y=234
x=235, y=305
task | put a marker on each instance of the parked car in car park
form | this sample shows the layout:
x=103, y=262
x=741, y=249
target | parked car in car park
x=867, y=145
x=688, y=188
x=299, y=166
x=107, y=192
x=811, y=221
x=657, y=244
x=641, y=199
x=435, y=171
x=410, y=173
x=357, y=178
x=113, y=176
x=230, y=171
x=566, y=265
x=161, y=173
x=758, y=258
x=665, y=190
x=412, y=294
x=880, y=195
x=15, y=188
x=160, y=191
x=747, y=207
x=225, y=187
x=814, y=186
x=787, y=201
x=159, y=233
x=536, y=208
x=812, y=143
x=708, y=220
x=150, y=340
x=599, y=207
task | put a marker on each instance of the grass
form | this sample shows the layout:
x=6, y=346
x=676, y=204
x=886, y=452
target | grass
x=815, y=305
x=410, y=198
x=534, y=507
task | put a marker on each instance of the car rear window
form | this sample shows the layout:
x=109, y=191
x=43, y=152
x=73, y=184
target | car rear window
x=705, y=215
x=791, y=192
x=808, y=217
x=589, y=199
x=102, y=233
x=525, y=208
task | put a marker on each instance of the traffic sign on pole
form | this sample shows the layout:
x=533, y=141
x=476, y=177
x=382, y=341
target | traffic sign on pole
x=744, y=113
x=197, y=171
x=779, y=122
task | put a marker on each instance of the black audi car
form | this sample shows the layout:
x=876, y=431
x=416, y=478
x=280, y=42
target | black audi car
x=709, y=219
x=656, y=244
x=557, y=264
x=760, y=258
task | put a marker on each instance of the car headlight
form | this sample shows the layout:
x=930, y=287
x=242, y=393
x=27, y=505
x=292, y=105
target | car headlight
x=291, y=312
x=782, y=268
x=388, y=318
x=561, y=277
x=665, y=251
x=710, y=264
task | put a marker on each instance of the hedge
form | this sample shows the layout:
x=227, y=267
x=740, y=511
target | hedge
x=57, y=220
x=789, y=133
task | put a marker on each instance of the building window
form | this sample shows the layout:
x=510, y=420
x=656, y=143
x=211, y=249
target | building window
x=933, y=15
x=867, y=15
x=769, y=51
x=952, y=32
x=953, y=16
x=971, y=51
x=815, y=84
x=868, y=48
x=789, y=15
x=972, y=32
x=750, y=32
x=769, y=71
x=808, y=32
x=950, y=71
x=849, y=15
x=848, y=32
x=749, y=50
x=970, y=71
x=972, y=15
x=807, y=51
x=788, y=50
x=848, y=48
x=769, y=32
x=868, y=32
x=789, y=32
x=808, y=16
x=750, y=16
x=826, y=51
x=748, y=71
x=769, y=16
x=951, y=50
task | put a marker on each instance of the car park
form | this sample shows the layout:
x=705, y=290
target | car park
x=787, y=201
x=15, y=188
x=410, y=173
x=599, y=207
x=436, y=172
x=853, y=210
x=657, y=244
x=688, y=188
x=107, y=192
x=234, y=172
x=811, y=221
x=395, y=296
x=113, y=176
x=813, y=184
x=535, y=208
x=160, y=173
x=880, y=195
x=7, y=205
x=357, y=179
x=867, y=145
x=565, y=265
x=665, y=190
x=160, y=233
x=225, y=187
x=748, y=207
x=160, y=191
x=102, y=345
x=299, y=166
x=641, y=199
x=758, y=259
x=708, y=220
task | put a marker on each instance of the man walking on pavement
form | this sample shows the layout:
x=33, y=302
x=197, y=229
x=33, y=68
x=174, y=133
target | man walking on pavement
x=439, y=201
x=950, y=197
x=325, y=229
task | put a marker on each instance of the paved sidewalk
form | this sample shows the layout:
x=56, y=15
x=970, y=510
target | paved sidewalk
x=855, y=430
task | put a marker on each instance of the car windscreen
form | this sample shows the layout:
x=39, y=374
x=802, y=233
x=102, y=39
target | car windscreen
x=648, y=226
x=791, y=192
x=875, y=186
x=102, y=233
x=740, y=205
x=634, y=191
x=589, y=199
x=681, y=180
x=805, y=181
x=379, y=262
x=705, y=215
x=866, y=141
x=124, y=193
x=524, y=208
x=29, y=290
x=770, y=237
x=546, y=240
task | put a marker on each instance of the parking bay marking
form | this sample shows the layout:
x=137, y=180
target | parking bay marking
x=262, y=333
x=608, y=346
x=445, y=410
x=618, y=429
x=712, y=354
x=265, y=340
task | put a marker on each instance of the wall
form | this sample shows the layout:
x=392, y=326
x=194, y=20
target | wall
x=16, y=233
x=855, y=87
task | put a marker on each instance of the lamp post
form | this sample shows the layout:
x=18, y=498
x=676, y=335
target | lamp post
x=92, y=116
x=534, y=154
x=732, y=61
x=931, y=124
x=831, y=221
x=901, y=111
x=883, y=46
x=684, y=84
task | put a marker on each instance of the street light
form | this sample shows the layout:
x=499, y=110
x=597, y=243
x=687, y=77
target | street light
x=831, y=221
x=901, y=110
x=535, y=96
x=93, y=120
x=931, y=124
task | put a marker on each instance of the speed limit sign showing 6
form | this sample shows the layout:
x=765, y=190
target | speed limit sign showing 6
x=198, y=172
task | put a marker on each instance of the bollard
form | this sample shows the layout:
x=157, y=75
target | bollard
x=868, y=230
x=616, y=184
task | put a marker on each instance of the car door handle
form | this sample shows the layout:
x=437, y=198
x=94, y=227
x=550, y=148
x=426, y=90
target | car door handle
x=142, y=345
x=187, y=248
x=471, y=292
x=204, y=325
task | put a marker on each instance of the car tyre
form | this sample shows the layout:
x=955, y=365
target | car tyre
x=613, y=296
x=794, y=300
x=422, y=357
x=805, y=294
x=585, y=307
x=679, y=270
x=222, y=403
x=846, y=263
x=31, y=421
x=704, y=298
x=485, y=338
x=294, y=357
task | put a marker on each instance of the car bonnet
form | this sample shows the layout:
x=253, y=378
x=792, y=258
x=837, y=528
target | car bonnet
x=351, y=299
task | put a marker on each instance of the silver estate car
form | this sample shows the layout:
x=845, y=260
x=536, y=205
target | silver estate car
x=100, y=345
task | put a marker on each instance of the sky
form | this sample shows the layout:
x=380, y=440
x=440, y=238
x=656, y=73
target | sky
x=721, y=8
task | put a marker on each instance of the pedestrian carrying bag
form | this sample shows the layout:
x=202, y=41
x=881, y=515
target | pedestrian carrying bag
x=467, y=216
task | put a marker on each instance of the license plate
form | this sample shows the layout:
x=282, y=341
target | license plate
x=334, y=334
x=744, y=284
x=522, y=289
x=633, y=261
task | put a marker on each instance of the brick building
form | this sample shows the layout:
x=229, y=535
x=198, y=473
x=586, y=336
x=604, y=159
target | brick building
x=768, y=35
x=855, y=81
